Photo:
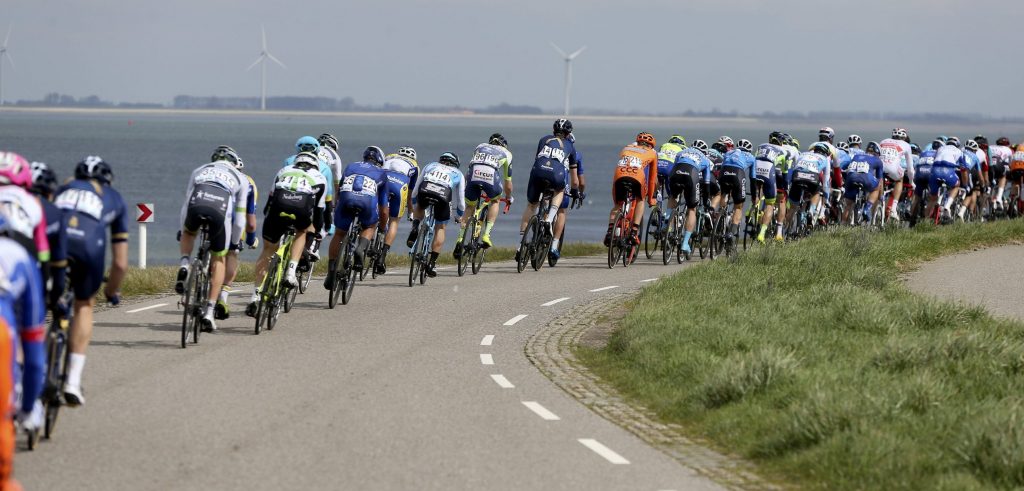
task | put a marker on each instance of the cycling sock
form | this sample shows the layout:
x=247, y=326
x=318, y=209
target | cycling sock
x=487, y=228
x=291, y=266
x=686, y=236
x=255, y=296
x=778, y=230
x=224, y=294
x=76, y=363
x=764, y=228
x=184, y=261
x=999, y=194
x=433, y=258
x=462, y=233
x=209, y=311
x=551, y=214
x=554, y=244
x=520, y=243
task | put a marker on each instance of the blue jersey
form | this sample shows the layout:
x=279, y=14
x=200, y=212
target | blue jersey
x=324, y=169
x=440, y=174
x=556, y=153
x=696, y=158
x=739, y=158
x=90, y=208
x=970, y=162
x=927, y=158
x=365, y=179
x=810, y=162
x=56, y=233
x=865, y=163
x=23, y=307
x=844, y=157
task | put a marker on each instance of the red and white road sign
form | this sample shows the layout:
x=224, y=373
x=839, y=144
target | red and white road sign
x=144, y=212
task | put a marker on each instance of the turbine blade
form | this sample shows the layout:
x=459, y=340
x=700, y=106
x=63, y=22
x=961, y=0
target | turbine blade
x=559, y=50
x=10, y=60
x=577, y=53
x=263, y=37
x=8, y=36
x=275, y=60
x=257, y=62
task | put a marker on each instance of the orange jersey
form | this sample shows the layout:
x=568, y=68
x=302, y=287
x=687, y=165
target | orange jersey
x=1017, y=162
x=639, y=163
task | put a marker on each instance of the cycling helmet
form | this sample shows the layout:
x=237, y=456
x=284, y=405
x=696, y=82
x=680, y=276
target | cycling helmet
x=225, y=152
x=793, y=141
x=915, y=149
x=719, y=147
x=826, y=134
x=900, y=134
x=942, y=138
x=498, y=139
x=715, y=156
x=937, y=143
x=954, y=141
x=777, y=138
x=307, y=144
x=1004, y=141
x=677, y=139
x=843, y=146
x=854, y=140
x=407, y=152
x=701, y=145
x=93, y=167
x=727, y=141
x=745, y=145
x=14, y=169
x=307, y=159
x=44, y=180
x=563, y=126
x=873, y=148
x=328, y=140
x=645, y=138
x=571, y=138
x=971, y=145
x=449, y=159
x=373, y=154
x=821, y=148
x=982, y=141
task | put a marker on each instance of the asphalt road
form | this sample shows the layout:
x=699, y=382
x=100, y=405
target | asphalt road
x=991, y=277
x=424, y=388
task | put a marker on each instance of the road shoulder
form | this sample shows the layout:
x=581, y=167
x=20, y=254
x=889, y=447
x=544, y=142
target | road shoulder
x=990, y=277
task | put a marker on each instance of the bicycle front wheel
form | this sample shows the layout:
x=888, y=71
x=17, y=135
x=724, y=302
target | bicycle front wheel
x=652, y=232
x=615, y=244
x=525, y=242
x=350, y=282
x=186, y=316
x=466, y=257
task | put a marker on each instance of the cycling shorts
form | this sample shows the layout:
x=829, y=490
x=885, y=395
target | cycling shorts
x=351, y=205
x=1015, y=175
x=893, y=170
x=624, y=187
x=734, y=182
x=804, y=184
x=664, y=169
x=398, y=194
x=999, y=170
x=438, y=195
x=712, y=188
x=543, y=178
x=684, y=180
x=85, y=269
x=855, y=181
x=942, y=175
x=288, y=209
x=482, y=179
x=921, y=177
x=765, y=178
x=209, y=204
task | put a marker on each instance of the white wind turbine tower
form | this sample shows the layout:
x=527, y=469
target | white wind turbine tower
x=4, y=54
x=568, y=71
x=262, y=62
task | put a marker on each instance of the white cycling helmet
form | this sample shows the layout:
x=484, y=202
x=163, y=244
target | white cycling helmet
x=407, y=152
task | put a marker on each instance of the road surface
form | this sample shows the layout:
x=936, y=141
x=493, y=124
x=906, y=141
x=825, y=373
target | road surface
x=424, y=387
x=991, y=277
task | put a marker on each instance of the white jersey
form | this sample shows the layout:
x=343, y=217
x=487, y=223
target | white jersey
x=792, y=155
x=1000, y=155
x=400, y=164
x=897, y=158
x=949, y=156
x=235, y=185
x=333, y=160
x=22, y=210
x=303, y=180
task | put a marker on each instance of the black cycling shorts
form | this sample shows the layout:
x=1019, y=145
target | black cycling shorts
x=624, y=186
x=683, y=180
x=209, y=204
x=803, y=185
x=999, y=170
x=438, y=195
x=734, y=182
x=287, y=209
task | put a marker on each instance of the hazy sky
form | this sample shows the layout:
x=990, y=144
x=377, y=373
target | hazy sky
x=650, y=55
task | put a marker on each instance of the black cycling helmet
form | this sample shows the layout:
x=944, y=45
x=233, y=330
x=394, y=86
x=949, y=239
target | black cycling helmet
x=227, y=153
x=1004, y=141
x=563, y=126
x=44, y=180
x=720, y=147
x=777, y=138
x=93, y=167
x=373, y=154
x=498, y=139
x=915, y=149
x=873, y=148
x=821, y=148
x=449, y=159
x=328, y=140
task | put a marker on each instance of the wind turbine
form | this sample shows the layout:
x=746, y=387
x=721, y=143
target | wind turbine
x=262, y=62
x=4, y=54
x=568, y=71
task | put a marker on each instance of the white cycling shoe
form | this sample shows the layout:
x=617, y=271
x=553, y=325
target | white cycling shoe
x=290, y=279
x=73, y=395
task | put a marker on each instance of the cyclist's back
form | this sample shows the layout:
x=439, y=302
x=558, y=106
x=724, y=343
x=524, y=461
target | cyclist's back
x=217, y=194
x=363, y=189
x=23, y=307
x=442, y=185
x=554, y=157
x=638, y=169
x=26, y=218
x=490, y=167
x=299, y=192
x=667, y=157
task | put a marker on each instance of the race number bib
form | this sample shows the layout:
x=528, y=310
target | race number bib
x=806, y=176
x=763, y=168
x=81, y=201
x=483, y=173
x=360, y=185
x=486, y=158
x=860, y=167
x=434, y=188
x=891, y=155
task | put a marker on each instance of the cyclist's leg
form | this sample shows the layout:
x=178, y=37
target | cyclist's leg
x=369, y=218
x=782, y=192
x=190, y=223
x=473, y=194
x=273, y=229
x=86, y=277
x=770, y=192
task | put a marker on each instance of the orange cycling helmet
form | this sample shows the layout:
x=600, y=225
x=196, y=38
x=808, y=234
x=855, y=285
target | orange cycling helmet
x=645, y=138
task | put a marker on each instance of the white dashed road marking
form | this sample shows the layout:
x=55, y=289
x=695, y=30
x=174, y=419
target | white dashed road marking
x=146, y=308
x=512, y=321
x=603, y=451
x=557, y=300
x=486, y=359
x=487, y=340
x=603, y=289
x=541, y=411
x=502, y=381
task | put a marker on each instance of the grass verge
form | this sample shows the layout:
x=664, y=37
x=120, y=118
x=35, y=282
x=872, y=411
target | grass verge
x=814, y=361
x=160, y=279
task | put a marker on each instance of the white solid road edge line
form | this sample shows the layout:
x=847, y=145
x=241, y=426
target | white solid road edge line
x=603, y=451
x=603, y=289
x=512, y=321
x=146, y=308
x=541, y=411
x=487, y=340
x=557, y=300
x=502, y=381
x=649, y=280
x=486, y=359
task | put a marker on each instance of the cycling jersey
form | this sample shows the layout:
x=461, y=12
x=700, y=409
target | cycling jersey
x=217, y=194
x=57, y=237
x=863, y=172
x=639, y=164
x=25, y=216
x=923, y=171
x=401, y=175
x=555, y=157
x=737, y=165
x=855, y=151
x=325, y=171
x=809, y=174
x=23, y=308
x=896, y=158
x=444, y=187
x=90, y=209
x=364, y=190
x=778, y=157
x=948, y=156
x=490, y=167
x=692, y=168
x=297, y=200
x=999, y=154
x=667, y=158
x=333, y=160
x=578, y=158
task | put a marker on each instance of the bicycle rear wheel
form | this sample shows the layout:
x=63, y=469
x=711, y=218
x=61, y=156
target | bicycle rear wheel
x=198, y=304
x=543, y=246
x=305, y=274
x=652, y=232
x=350, y=281
x=525, y=245
x=552, y=260
x=615, y=244
x=667, y=240
x=186, y=315
x=478, y=258
x=467, y=247
x=56, y=367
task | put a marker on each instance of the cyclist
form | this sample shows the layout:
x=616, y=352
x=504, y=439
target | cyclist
x=91, y=206
x=402, y=172
x=7, y=430
x=970, y=177
x=854, y=141
x=222, y=311
x=44, y=184
x=1016, y=171
x=690, y=174
x=328, y=152
x=636, y=171
x=443, y=186
x=318, y=230
x=1000, y=156
x=771, y=154
x=23, y=309
x=808, y=175
x=554, y=162
x=666, y=159
x=22, y=209
x=737, y=164
x=922, y=173
x=216, y=196
x=297, y=200
x=948, y=158
x=490, y=174
x=864, y=171
x=364, y=193
x=571, y=194
x=712, y=190
x=897, y=159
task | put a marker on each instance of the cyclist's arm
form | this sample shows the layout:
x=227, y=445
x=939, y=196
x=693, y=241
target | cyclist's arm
x=238, y=220
x=184, y=205
x=32, y=331
x=908, y=157
x=460, y=195
x=119, y=249
x=42, y=243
